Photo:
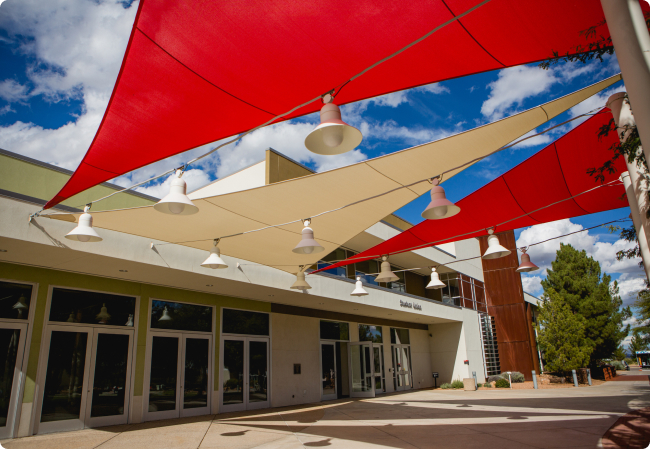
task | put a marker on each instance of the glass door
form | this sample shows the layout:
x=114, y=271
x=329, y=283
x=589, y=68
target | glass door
x=179, y=375
x=402, y=365
x=362, y=364
x=87, y=380
x=378, y=351
x=244, y=373
x=328, y=371
x=12, y=346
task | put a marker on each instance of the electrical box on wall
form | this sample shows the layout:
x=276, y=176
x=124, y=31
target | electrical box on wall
x=296, y=368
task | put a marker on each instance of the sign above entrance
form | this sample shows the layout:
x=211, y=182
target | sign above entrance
x=410, y=305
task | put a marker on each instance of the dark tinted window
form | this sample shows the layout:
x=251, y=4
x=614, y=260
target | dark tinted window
x=14, y=300
x=244, y=322
x=333, y=330
x=370, y=333
x=399, y=336
x=182, y=317
x=77, y=306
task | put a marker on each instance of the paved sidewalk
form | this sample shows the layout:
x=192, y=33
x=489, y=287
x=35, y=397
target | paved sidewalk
x=499, y=419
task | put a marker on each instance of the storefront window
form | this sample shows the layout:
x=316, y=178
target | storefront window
x=78, y=306
x=399, y=336
x=336, y=255
x=14, y=300
x=370, y=333
x=245, y=322
x=179, y=316
x=333, y=330
x=367, y=271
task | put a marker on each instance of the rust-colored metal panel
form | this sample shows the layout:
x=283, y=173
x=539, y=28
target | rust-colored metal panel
x=514, y=357
x=511, y=322
x=531, y=337
x=415, y=284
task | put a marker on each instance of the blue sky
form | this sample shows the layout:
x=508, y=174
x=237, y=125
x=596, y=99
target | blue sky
x=60, y=60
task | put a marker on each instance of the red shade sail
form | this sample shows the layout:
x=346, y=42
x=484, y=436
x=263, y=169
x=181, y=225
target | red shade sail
x=556, y=173
x=196, y=72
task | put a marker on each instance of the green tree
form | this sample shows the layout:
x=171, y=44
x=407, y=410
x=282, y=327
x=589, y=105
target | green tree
x=561, y=334
x=577, y=278
x=638, y=342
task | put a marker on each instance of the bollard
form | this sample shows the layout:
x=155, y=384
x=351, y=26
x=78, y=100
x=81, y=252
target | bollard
x=534, y=380
x=575, y=378
x=475, y=379
x=589, y=376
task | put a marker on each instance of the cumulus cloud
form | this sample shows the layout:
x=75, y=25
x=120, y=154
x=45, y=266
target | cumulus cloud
x=629, y=284
x=12, y=91
x=532, y=284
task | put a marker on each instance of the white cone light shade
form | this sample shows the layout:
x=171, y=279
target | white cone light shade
x=440, y=206
x=495, y=250
x=358, y=289
x=333, y=135
x=103, y=316
x=307, y=244
x=301, y=283
x=386, y=274
x=165, y=315
x=176, y=202
x=526, y=265
x=214, y=260
x=435, y=280
x=84, y=231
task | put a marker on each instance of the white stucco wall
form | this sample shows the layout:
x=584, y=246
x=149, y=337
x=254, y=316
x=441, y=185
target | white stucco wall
x=421, y=355
x=248, y=178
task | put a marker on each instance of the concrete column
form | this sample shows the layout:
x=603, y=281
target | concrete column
x=632, y=45
x=634, y=181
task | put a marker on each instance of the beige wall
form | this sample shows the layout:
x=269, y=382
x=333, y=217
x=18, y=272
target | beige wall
x=447, y=347
x=421, y=355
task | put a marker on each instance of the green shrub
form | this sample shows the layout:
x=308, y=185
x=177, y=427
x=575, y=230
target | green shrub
x=457, y=384
x=495, y=378
x=502, y=383
x=445, y=386
x=516, y=377
x=618, y=365
x=487, y=385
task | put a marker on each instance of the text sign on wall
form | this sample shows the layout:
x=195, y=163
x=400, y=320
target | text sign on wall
x=410, y=305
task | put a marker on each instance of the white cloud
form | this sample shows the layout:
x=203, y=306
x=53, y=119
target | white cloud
x=629, y=285
x=12, y=91
x=6, y=109
x=532, y=284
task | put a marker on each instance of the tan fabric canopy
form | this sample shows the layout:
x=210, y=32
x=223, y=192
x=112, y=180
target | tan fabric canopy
x=308, y=196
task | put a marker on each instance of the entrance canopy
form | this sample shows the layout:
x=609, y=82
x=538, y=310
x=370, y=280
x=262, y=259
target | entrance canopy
x=554, y=174
x=197, y=72
x=391, y=181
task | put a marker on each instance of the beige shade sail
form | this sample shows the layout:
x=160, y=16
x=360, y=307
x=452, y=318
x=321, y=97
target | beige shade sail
x=382, y=179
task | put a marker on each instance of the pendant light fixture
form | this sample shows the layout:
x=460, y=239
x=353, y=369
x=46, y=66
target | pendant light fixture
x=526, y=265
x=307, y=244
x=129, y=321
x=103, y=315
x=176, y=202
x=301, y=283
x=20, y=306
x=386, y=274
x=358, y=289
x=214, y=260
x=440, y=206
x=84, y=231
x=70, y=318
x=165, y=315
x=333, y=135
x=435, y=282
x=495, y=250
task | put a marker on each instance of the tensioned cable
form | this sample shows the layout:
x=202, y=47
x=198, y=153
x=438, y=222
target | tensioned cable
x=396, y=188
x=340, y=86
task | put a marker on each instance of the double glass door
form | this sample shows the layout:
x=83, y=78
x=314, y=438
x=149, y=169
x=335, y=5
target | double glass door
x=366, y=362
x=328, y=371
x=12, y=348
x=88, y=378
x=179, y=375
x=402, y=365
x=244, y=373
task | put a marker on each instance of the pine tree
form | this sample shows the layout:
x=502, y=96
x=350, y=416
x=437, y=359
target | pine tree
x=577, y=278
x=638, y=342
x=561, y=334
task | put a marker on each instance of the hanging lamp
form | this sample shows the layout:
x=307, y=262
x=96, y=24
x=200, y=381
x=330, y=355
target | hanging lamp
x=386, y=274
x=20, y=306
x=526, y=265
x=440, y=206
x=495, y=250
x=301, y=283
x=176, y=202
x=307, y=244
x=84, y=231
x=165, y=315
x=333, y=135
x=435, y=282
x=214, y=260
x=129, y=321
x=103, y=315
x=358, y=288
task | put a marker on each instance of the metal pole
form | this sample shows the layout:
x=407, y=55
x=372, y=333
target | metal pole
x=575, y=378
x=635, y=184
x=632, y=46
x=534, y=380
x=589, y=376
x=475, y=380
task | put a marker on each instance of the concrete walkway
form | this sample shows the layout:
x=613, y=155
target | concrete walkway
x=499, y=419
